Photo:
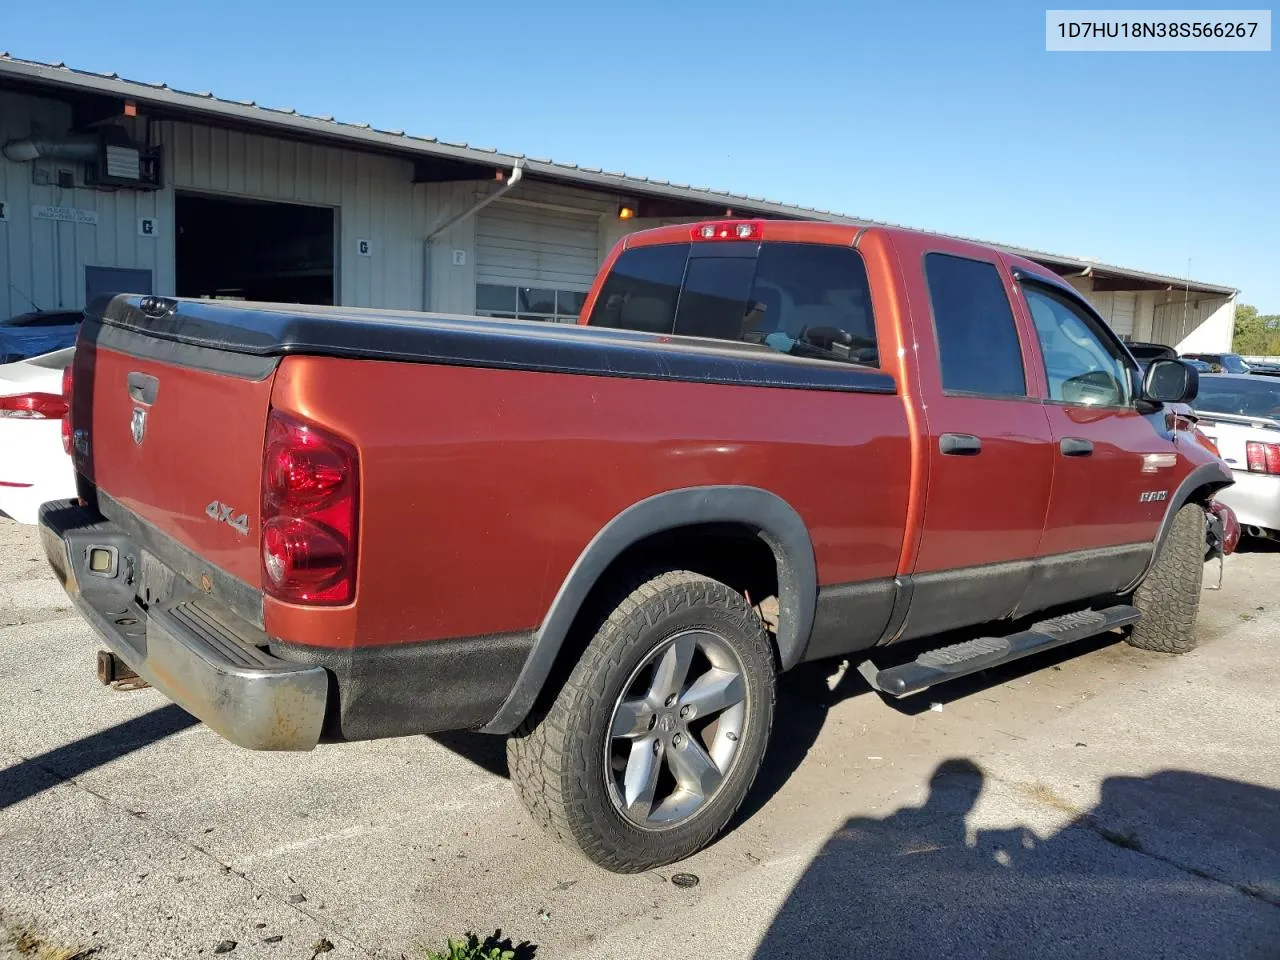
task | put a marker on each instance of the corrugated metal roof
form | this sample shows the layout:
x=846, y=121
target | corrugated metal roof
x=249, y=112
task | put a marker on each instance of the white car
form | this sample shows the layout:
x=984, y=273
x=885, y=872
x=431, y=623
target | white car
x=34, y=466
x=1241, y=414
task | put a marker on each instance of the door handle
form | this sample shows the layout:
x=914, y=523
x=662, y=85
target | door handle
x=1076, y=447
x=959, y=445
x=143, y=387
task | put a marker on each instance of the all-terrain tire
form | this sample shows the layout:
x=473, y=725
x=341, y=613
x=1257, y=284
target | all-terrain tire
x=1169, y=597
x=558, y=758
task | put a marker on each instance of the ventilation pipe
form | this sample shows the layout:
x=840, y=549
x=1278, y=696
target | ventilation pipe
x=82, y=147
x=517, y=173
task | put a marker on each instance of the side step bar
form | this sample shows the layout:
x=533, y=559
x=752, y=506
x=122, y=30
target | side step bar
x=961, y=659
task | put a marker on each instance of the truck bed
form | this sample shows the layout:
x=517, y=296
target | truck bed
x=269, y=330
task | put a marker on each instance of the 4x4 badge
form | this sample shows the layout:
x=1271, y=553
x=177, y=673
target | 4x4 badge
x=225, y=513
x=138, y=425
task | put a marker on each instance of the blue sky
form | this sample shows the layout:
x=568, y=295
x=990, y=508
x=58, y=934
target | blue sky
x=933, y=115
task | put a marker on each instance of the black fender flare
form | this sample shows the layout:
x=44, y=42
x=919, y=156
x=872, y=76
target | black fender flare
x=1215, y=476
x=775, y=521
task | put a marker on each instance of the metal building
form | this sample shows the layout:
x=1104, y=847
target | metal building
x=109, y=185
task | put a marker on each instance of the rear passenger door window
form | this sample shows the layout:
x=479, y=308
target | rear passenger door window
x=990, y=460
x=978, y=345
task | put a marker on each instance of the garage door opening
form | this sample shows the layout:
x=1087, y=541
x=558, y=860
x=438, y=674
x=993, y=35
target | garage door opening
x=254, y=250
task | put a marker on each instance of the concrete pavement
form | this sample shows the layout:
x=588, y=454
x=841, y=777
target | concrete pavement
x=1098, y=801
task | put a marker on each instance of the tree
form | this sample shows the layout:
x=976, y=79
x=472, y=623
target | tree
x=1255, y=334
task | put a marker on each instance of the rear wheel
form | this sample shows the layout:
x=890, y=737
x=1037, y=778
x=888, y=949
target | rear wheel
x=658, y=733
x=1169, y=597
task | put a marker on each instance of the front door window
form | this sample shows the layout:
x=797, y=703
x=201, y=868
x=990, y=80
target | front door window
x=1082, y=366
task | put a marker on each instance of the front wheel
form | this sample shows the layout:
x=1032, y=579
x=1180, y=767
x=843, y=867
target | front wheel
x=1169, y=597
x=658, y=733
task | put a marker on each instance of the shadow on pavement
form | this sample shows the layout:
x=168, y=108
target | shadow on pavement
x=29, y=777
x=805, y=696
x=1258, y=545
x=485, y=750
x=1177, y=864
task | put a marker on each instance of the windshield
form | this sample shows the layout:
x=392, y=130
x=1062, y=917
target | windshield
x=1233, y=363
x=1244, y=397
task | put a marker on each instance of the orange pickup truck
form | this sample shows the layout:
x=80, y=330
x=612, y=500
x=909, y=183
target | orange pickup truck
x=764, y=443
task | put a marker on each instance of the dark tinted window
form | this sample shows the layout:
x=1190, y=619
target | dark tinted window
x=804, y=299
x=1221, y=362
x=1243, y=396
x=812, y=300
x=569, y=302
x=31, y=320
x=713, y=302
x=528, y=303
x=491, y=298
x=642, y=289
x=977, y=339
x=57, y=320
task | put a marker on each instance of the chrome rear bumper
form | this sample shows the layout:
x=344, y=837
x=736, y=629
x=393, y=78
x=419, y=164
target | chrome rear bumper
x=1255, y=498
x=198, y=654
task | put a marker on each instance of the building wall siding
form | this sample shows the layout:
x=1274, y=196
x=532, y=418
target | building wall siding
x=42, y=261
x=1129, y=313
x=1196, y=325
x=536, y=246
x=451, y=285
x=374, y=199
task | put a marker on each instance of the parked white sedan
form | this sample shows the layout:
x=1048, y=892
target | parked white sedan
x=34, y=465
x=1241, y=414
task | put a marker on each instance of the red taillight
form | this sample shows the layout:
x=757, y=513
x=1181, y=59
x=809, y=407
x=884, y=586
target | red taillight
x=1262, y=457
x=33, y=406
x=303, y=560
x=729, y=230
x=304, y=474
x=310, y=502
x=66, y=416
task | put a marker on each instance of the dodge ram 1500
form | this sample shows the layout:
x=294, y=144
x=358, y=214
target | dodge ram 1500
x=765, y=442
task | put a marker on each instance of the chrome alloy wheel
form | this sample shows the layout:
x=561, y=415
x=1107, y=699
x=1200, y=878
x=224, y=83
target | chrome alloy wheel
x=676, y=729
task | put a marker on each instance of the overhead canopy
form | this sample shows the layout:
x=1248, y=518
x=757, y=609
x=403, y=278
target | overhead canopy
x=96, y=97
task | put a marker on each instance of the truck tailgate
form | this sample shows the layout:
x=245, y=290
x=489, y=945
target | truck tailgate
x=177, y=445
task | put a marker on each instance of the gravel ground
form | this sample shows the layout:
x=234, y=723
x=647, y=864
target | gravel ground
x=1095, y=801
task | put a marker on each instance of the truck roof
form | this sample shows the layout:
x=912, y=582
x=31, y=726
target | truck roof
x=841, y=234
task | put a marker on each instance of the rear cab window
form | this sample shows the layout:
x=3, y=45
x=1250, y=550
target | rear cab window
x=801, y=299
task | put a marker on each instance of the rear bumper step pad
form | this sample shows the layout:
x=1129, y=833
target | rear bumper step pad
x=961, y=659
x=200, y=657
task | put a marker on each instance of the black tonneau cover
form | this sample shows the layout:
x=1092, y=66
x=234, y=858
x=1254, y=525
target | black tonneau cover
x=260, y=333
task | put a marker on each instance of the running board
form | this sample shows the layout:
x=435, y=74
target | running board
x=961, y=659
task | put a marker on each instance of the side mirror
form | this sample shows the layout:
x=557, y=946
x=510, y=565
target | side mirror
x=1095, y=388
x=1170, y=381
